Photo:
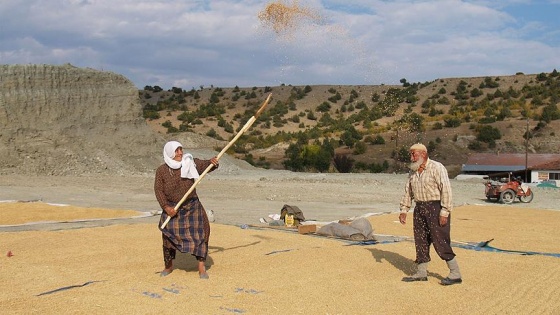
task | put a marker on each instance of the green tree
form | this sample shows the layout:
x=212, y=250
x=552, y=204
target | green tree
x=343, y=163
x=402, y=155
x=488, y=134
x=452, y=122
x=475, y=145
x=415, y=122
x=212, y=133
x=294, y=160
x=350, y=136
x=315, y=158
x=311, y=116
x=550, y=112
x=360, y=148
x=377, y=140
x=324, y=107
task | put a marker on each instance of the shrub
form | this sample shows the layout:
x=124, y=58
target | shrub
x=488, y=134
x=377, y=140
x=452, y=122
x=343, y=163
x=151, y=115
x=324, y=107
x=212, y=133
x=475, y=146
x=360, y=148
x=550, y=112
x=311, y=116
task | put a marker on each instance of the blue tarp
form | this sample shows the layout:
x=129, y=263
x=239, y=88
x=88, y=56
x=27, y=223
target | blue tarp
x=483, y=246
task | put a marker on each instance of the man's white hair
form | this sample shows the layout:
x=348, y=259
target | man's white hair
x=419, y=147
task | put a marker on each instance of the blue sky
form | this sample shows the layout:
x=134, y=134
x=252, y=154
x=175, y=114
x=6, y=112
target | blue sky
x=223, y=43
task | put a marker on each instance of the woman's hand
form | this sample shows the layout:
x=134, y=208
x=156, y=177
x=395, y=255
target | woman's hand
x=170, y=211
x=214, y=162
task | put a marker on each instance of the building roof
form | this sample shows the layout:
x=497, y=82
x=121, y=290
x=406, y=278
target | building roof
x=554, y=165
x=492, y=168
x=500, y=162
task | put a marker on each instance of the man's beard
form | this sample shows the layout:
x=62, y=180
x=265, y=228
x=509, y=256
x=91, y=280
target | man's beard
x=416, y=165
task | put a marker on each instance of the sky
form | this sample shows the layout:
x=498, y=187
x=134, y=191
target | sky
x=224, y=43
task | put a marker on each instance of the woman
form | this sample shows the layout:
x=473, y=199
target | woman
x=188, y=230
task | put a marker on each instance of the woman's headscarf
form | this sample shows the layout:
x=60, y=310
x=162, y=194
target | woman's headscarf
x=187, y=165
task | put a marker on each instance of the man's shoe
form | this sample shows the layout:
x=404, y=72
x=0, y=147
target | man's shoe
x=447, y=281
x=164, y=273
x=413, y=279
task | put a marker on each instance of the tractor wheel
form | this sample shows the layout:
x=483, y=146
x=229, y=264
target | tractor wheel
x=527, y=198
x=507, y=196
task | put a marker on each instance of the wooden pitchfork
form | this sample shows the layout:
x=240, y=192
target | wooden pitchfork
x=245, y=127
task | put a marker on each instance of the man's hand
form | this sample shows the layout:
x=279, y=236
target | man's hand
x=402, y=218
x=442, y=220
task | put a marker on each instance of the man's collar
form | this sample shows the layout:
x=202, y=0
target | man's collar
x=422, y=167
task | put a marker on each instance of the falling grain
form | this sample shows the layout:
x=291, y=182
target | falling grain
x=285, y=17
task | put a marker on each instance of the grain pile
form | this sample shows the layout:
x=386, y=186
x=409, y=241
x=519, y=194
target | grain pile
x=114, y=270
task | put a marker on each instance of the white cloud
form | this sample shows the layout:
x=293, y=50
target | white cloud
x=222, y=43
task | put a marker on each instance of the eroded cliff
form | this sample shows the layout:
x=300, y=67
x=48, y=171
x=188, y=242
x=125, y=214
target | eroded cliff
x=64, y=120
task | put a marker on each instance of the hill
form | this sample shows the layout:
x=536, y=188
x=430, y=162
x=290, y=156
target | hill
x=64, y=120
x=370, y=125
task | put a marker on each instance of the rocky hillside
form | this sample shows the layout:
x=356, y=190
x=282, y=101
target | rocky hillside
x=63, y=120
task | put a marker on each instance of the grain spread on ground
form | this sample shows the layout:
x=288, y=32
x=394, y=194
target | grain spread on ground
x=31, y=212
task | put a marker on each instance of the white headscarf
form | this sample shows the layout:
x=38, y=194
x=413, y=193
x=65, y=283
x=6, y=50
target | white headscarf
x=187, y=165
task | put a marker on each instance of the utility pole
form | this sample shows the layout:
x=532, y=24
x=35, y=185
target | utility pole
x=526, y=150
x=397, y=140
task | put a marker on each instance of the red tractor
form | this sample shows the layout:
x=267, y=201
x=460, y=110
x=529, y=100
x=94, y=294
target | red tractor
x=507, y=189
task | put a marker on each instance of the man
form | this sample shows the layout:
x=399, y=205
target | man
x=428, y=184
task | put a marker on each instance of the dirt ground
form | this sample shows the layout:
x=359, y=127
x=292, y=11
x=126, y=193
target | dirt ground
x=91, y=244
